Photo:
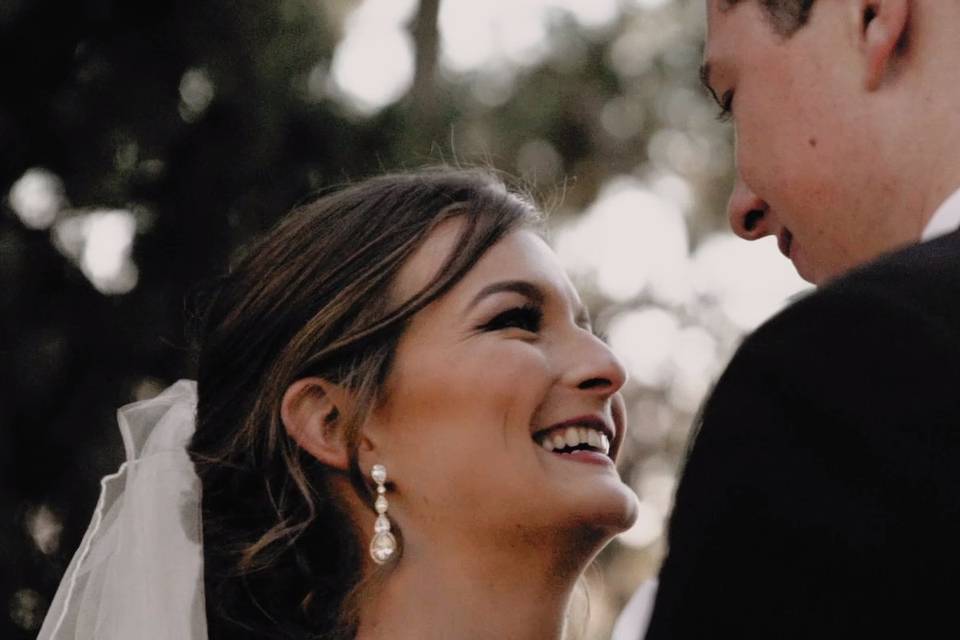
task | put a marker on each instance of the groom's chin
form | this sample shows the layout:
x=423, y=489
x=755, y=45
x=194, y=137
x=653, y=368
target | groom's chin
x=808, y=276
x=805, y=269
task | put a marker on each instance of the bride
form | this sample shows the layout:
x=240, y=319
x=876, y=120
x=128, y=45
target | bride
x=404, y=427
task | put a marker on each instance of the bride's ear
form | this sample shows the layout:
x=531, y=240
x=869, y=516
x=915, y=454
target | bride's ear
x=312, y=411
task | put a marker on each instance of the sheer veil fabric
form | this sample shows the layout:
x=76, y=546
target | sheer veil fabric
x=139, y=570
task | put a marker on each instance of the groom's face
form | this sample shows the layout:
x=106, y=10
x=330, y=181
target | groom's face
x=802, y=141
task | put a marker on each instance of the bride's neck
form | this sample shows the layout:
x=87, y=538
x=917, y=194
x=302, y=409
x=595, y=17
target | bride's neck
x=452, y=593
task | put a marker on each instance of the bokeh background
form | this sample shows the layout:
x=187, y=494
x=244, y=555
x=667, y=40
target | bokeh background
x=142, y=142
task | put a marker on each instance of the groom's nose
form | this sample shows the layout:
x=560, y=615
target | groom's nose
x=749, y=215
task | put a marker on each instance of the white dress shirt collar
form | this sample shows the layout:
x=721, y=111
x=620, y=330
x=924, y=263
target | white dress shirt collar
x=945, y=219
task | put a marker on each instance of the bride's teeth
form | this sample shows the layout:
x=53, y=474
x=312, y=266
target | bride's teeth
x=559, y=442
x=593, y=438
x=570, y=437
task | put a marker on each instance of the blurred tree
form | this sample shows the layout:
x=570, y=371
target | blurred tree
x=426, y=37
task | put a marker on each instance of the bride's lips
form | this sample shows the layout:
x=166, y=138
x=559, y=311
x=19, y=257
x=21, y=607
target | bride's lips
x=591, y=431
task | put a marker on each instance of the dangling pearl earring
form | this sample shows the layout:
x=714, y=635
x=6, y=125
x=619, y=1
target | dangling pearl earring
x=383, y=545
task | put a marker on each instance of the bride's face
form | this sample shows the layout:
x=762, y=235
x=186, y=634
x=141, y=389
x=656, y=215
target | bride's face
x=486, y=381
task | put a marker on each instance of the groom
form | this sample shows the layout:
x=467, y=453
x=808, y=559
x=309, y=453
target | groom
x=821, y=497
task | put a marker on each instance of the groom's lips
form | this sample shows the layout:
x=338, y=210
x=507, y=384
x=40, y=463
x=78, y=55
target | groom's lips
x=784, y=240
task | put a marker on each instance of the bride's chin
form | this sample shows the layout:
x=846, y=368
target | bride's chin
x=623, y=516
x=617, y=515
x=607, y=518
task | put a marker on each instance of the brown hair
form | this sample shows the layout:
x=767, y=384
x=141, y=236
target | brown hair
x=313, y=298
x=786, y=16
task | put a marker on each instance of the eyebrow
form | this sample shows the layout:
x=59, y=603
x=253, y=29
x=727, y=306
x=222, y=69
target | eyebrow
x=522, y=287
x=529, y=290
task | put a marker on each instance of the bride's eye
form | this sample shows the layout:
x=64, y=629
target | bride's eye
x=527, y=318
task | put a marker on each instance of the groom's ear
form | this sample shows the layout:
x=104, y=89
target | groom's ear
x=312, y=411
x=883, y=27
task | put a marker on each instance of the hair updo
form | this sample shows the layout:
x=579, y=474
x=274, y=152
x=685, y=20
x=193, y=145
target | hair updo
x=313, y=297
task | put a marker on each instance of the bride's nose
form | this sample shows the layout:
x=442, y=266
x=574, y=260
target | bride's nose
x=594, y=368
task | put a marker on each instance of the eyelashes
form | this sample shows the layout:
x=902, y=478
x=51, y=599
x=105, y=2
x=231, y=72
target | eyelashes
x=527, y=317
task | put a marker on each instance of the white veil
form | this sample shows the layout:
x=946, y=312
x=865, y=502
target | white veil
x=139, y=570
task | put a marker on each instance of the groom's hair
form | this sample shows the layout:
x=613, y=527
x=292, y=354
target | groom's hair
x=786, y=16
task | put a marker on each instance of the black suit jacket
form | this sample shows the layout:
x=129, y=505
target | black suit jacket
x=821, y=496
